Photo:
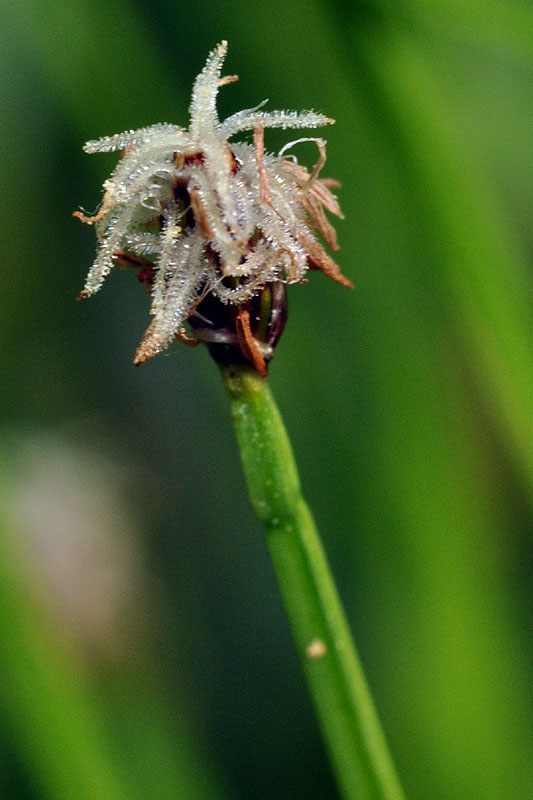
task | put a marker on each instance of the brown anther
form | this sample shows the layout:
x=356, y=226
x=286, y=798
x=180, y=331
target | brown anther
x=183, y=336
x=259, y=145
x=320, y=188
x=227, y=79
x=315, y=209
x=317, y=258
x=90, y=220
x=200, y=215
x=107, y=204
x=248, y=343
x=330, y=183
x=231, y=161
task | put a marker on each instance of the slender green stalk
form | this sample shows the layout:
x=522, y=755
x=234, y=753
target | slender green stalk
x=338, y=688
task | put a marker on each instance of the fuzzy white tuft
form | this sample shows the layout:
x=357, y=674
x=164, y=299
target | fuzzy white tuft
x=228, y=218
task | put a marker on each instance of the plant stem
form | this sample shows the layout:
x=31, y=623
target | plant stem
x=346, y=714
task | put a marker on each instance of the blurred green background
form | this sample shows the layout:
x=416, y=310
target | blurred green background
x=143, y=648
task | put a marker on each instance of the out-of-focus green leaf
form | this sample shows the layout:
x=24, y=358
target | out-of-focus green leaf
x=501, y=25
x=476, y=255
x=48, y=702
x=78, y=562
x=90, y=55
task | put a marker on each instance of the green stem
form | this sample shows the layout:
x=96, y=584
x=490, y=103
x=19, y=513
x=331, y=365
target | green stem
x=347, y=717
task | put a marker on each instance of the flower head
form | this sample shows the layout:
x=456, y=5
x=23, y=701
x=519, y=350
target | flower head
x=202, y=217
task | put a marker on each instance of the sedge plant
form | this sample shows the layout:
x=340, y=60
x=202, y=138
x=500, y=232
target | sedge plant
x=215, y=230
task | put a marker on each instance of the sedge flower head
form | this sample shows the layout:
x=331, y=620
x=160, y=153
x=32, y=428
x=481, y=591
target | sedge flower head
x=201, y=216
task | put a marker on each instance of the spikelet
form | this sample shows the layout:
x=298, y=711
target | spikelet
x=202, y=216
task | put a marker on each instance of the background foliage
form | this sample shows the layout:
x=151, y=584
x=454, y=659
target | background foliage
x=144, y=651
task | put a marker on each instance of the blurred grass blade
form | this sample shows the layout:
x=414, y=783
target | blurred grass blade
x=477, y=257
x=78, y=551
x=503, y=25
x=48, y=704
x=152, y=739
x=67, y=40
